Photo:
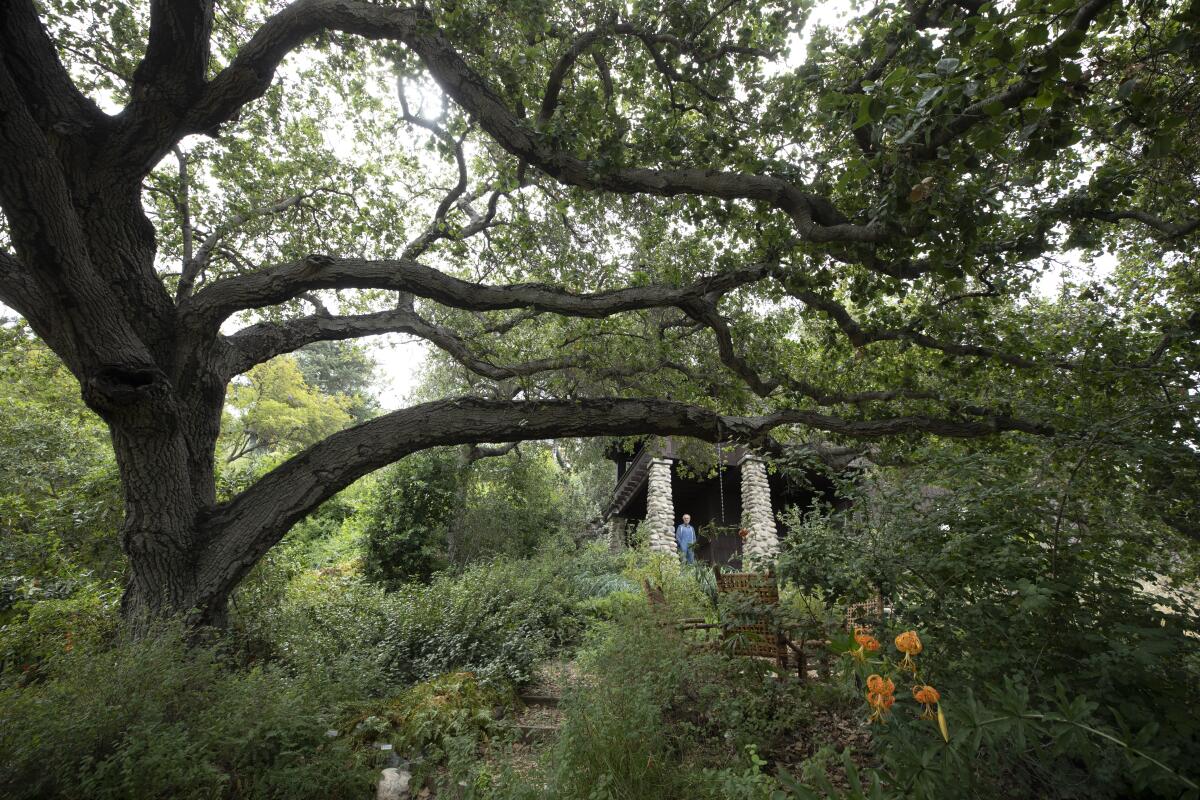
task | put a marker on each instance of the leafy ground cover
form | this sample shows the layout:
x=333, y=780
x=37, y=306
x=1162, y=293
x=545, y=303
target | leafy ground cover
x=297, y=698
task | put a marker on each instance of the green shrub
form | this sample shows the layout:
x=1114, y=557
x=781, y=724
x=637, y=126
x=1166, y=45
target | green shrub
x=157, y=719
x=426, y=716
x=39, y=624
x=658, y=717
x=406, y=516
x=436, y=724
x=323, y=624
x=497, y=619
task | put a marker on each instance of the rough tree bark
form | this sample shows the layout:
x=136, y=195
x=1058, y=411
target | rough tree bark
x=155, y=368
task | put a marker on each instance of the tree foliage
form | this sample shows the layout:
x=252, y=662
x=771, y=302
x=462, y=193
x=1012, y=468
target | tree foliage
x=275, y=412
x=407, y=518
x=342, y=368
x=719, y=220
x=59, y=489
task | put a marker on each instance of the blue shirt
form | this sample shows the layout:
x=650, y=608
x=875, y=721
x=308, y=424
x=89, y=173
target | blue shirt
x=685, y=536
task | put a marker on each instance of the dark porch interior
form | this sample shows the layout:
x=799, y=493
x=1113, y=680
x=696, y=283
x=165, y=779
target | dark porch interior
x=716, y=533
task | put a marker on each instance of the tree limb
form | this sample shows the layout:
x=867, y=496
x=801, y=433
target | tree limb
x=265, y=340
x=210, y=306
x=1169, y=230
x=167, y=81
x=53, y=99
x=249, y=525
x=75, y=315
x=177, y=50
x=190, y=268
x=561, y=68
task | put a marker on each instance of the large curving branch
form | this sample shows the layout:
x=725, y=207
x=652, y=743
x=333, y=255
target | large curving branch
x=53, y=98
x=246, y=527
x=265, y=340
x=211, y=305
x=251, y=72
x=861, y=337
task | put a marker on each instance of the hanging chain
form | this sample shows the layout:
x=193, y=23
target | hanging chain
x=720, y=473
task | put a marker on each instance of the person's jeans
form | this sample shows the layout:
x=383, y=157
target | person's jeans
x=689, y=554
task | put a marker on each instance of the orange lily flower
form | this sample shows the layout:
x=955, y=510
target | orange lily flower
x=929, y=696
x=909, y=644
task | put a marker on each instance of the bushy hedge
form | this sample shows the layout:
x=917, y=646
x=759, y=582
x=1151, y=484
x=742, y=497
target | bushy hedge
x=155, y=718
x=496, y=619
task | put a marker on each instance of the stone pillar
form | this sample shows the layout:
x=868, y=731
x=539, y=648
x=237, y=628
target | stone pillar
x=762, y=544
x=660, y=508
x=616, y=533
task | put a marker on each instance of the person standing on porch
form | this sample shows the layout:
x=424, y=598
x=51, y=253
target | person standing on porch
x=685, y=538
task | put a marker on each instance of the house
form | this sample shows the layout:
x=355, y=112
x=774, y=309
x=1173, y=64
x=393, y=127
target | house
x=653, y=489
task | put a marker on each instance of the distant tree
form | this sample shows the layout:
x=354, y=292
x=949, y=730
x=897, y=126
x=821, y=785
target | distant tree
x=341, y=368
x=407, y=517
x=274, y=412
x=514, y=504
x=625, y=219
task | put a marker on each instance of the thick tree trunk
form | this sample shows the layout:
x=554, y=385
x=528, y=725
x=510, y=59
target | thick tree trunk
x=160, y=535
x=164, y=539
x=162, y=583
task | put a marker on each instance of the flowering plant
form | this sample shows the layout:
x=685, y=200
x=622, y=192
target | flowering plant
x=881, y=688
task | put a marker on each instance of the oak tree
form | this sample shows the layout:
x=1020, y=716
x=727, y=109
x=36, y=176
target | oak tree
x=713, y=219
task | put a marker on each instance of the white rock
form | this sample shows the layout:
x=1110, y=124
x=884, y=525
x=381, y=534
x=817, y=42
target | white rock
x=393, y=784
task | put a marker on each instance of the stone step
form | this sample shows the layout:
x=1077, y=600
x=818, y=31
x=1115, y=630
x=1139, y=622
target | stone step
x=545, y=700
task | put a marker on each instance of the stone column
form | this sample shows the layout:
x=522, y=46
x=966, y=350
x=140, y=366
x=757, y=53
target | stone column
x=762, y=544
x=616, y=533
x=660, y=508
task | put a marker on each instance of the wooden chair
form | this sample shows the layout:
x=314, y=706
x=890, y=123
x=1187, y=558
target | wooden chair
x=870, y=611
x=759, y=639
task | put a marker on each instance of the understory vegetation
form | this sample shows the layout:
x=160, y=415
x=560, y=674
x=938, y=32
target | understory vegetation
x=297, y=697
x=406, y=617
x=1066, y=665
x=916, y=281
